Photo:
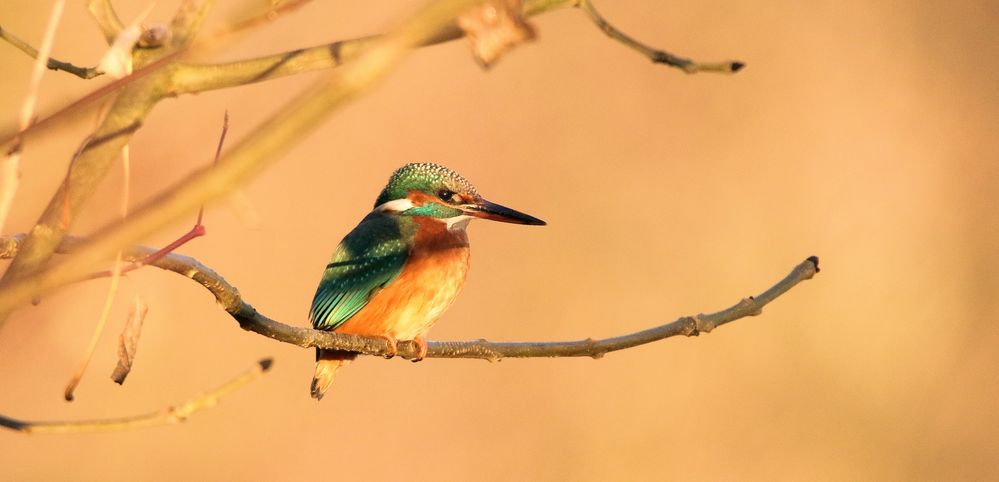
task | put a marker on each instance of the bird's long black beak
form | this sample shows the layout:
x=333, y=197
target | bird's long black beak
x=487, y=210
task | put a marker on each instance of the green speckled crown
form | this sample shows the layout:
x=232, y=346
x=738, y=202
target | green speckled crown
x=426, y=177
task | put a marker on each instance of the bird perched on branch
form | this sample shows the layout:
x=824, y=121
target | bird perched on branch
x=397, y=272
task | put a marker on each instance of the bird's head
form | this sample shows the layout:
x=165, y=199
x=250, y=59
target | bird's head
x=432, y=190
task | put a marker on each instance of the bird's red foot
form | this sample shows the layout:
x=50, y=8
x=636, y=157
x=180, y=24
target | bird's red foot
x=393, y=346
x=421, y=348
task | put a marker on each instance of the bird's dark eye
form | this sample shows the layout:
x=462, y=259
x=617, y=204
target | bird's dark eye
x=445, y=195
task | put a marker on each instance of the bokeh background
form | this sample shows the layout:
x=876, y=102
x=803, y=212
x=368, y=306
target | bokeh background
x=863, y=132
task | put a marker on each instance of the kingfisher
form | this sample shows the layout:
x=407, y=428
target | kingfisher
x=397, y=272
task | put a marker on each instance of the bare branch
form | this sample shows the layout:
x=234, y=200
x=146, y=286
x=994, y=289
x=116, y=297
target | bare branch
x=52, y=64
x=658, y=56
x=169, y=415
x=250, y=319
x=194, y=78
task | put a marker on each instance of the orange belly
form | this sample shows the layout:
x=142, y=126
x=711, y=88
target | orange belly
x=429, y=282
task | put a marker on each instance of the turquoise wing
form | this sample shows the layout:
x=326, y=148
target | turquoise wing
x=367, y=260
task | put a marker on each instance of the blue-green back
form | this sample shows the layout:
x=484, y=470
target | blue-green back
x=367, y=260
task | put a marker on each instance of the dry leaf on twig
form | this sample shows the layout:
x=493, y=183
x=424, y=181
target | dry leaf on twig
x=128, y=341
x=495, y=27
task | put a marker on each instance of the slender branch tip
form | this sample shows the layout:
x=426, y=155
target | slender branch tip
x=815, y=261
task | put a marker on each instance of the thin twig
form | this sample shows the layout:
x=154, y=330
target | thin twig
x=250, y=319
x=658, y=56
x=218, y=155
x=52, y=64
x=169, y=415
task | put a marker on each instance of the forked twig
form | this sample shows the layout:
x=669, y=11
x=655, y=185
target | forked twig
x=196, y=231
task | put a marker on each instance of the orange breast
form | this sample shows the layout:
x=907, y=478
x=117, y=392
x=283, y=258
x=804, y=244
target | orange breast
x=430, y=281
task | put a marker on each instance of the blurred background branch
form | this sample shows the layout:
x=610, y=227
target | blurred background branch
x=864, y=132
x=25, y=280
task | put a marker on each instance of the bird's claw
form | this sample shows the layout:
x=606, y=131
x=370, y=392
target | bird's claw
x=393, y=346
x=421, y=348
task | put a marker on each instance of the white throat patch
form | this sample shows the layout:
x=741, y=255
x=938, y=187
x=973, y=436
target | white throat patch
x=395, y=205
x=457, y=222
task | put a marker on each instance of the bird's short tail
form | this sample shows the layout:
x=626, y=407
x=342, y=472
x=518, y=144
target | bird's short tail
x=327, y=363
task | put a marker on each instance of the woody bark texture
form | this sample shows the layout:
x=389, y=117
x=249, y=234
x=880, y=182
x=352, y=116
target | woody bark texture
x=250, y=319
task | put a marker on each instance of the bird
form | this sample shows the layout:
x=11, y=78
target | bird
x=403, y=265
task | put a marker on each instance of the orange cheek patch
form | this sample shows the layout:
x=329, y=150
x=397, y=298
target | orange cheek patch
x=419, y=198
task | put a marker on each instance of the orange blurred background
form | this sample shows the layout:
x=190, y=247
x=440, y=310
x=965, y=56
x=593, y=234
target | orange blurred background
x=860, y=132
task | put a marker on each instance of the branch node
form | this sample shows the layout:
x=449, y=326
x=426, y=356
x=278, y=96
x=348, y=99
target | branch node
x=693, y=326
x=598, y=353
x=154, y=36
x=750, y=302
